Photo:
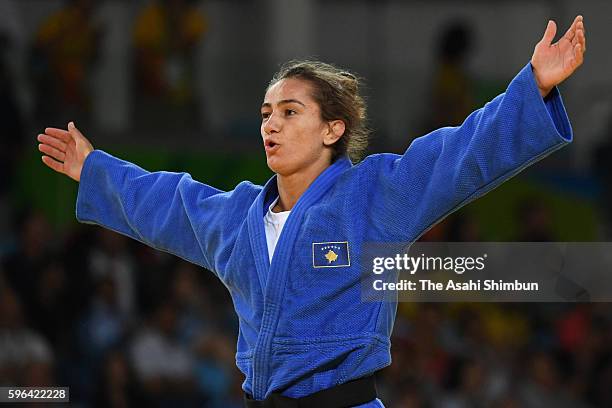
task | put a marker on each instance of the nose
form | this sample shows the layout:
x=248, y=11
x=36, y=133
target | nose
x=272, y=124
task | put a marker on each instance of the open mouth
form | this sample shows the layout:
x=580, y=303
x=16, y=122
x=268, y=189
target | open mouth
x=271, y=146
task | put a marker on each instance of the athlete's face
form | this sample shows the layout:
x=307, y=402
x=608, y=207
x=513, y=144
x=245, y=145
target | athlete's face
x=294, y=135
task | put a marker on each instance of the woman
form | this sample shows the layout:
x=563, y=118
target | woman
x=304, y=331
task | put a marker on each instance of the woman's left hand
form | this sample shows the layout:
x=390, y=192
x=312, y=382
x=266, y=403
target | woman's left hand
x=553, y=63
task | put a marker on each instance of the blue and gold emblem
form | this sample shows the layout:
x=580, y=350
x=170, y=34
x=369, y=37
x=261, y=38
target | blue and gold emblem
x=330, y=254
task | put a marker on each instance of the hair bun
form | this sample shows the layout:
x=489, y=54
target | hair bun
x=350, y=82
x=348, y=75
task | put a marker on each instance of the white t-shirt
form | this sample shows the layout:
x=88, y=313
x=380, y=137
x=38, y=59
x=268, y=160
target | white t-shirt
x=274, y=223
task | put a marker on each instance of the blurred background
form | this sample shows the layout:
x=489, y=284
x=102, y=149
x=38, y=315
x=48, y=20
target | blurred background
x=177, y=85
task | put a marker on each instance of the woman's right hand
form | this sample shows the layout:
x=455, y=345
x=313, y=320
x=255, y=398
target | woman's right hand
x=65, y=150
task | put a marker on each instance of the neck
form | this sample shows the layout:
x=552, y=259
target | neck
x=292, y=186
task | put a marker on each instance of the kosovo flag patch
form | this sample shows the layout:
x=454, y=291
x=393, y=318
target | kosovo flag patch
x=330, y=254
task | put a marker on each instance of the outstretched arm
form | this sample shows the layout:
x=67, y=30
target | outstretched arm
x=167, y=211
x=553, y=63
x=452, y=166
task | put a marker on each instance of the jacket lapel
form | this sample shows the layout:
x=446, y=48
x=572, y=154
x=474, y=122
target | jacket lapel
x=273, y=276
x=257, y=233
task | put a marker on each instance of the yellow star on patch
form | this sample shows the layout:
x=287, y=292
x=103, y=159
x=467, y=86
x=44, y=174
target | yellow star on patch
x=331, y=256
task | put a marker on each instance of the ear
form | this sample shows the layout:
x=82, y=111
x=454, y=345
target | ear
x=334, y=132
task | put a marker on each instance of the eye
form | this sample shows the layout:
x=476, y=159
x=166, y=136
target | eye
x=265, y=115
x=290, y=112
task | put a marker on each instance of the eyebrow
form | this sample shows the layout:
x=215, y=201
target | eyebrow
x=283, y=102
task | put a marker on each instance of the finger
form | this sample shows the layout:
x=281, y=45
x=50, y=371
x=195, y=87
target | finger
x=577, y=31
x=570, y=33
x=74, y=132
x=59, y=133
x=580, y=39
x=577, y=58
x=52, y=141
x=53, y=164
x=549, y=34
x=578, y=55
x=52, y=151
x=580, y=26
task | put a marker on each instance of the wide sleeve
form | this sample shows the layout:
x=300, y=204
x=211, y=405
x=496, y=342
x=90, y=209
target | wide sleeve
x=167, y=211
x=452, y=166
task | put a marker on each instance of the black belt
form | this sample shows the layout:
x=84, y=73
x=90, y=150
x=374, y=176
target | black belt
x=349, y=394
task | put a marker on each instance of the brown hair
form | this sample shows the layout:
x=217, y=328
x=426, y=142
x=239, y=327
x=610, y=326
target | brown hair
x=337, y=93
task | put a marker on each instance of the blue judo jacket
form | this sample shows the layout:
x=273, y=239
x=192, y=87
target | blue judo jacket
x=303, y=327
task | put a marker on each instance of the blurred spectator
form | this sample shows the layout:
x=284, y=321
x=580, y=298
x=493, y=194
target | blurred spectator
x=154, y=271
x=410, y=396
x=452, y=95
x=192, y=304
x=63, y=55
x=110, y=257
x=33, y=249
x=463, y=227
x=166, y=34
x=25, y=356
x=163, y=366
x=468, y=385
x=535, y=221
x=52, y=314
x=573, y=328
x=12, y=137
x=464, y=333
x=13, y=132
x=214, y=360
x=584, y=333
x=117, y=387
x=542, y=386
x=102, y=327
x=429, y=360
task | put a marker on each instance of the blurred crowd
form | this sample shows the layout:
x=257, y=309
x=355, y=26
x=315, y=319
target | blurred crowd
x=123, y=325
x=58, y=62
